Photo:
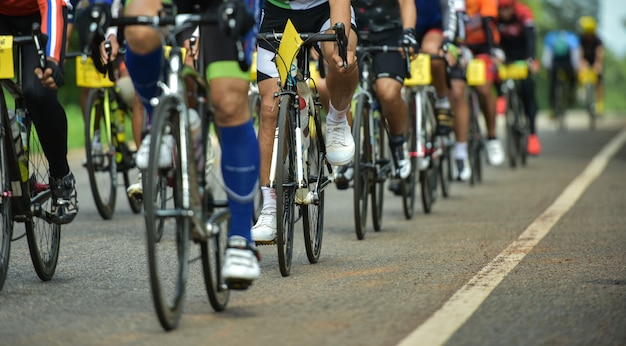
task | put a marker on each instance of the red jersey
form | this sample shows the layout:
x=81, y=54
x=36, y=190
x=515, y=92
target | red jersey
x=477, y=10
x=52, y=19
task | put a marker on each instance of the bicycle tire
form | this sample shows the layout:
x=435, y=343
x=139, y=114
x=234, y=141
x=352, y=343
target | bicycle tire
x=445, y=168
x=212, y=253
x=377, y=188
x=428, y=177
x=170, y=252
x=134, y=203
x=44, y=238
x=5, y=203
x=591, y=105
x=285, y=184
x=512, y=140
x=363, y=164
x=410, y=183
x=101, y=167
x=475, y=141
x=313, y=214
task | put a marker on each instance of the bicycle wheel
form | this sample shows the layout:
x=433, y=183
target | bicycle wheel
x=101, y=165
x=410, y=183
x=428, y=177
x=377, y=187
x=363, y=165
x=285, y=184
x=5, y=203
x=134, y=203
x=313, y=214
x=44, y=237
x=590, y=101
x=445, y=167
x=512, y=135
x=475, y=141
x=212, y=253
x=164, y=213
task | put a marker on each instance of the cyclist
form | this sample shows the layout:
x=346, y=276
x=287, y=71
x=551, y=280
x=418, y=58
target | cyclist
x=592, y=55
x=229, y=97
x=482, y=38
x=388, y=23
x=40, y=91
x=561, y=52
x=307, y=16
x=435, y=28
x=517, y=38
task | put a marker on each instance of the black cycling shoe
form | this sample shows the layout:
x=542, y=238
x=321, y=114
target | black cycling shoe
x=64, y=200
x=445, y=121
x=344, y=176
x=394, y=186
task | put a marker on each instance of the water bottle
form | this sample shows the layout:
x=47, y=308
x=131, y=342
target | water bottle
x=20, y=141
x=195, y=124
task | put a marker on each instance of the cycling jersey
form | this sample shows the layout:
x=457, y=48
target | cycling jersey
x=296, y=4
x=477, y=11
x=436, y=14
x=52, y=19
x=377, y=15
x=517, y=35
x=590, y=43
x=561, y=47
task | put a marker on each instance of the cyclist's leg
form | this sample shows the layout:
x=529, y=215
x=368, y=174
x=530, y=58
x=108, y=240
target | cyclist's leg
x=599, y=95
x=458, y=100
x=530, y=108
x=50, y=121
x=431, y=44
x=341, y=84
x=240, y=150
x=495, y=152
x=390, y=71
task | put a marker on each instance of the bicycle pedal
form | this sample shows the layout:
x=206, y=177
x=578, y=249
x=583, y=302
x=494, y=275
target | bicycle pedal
x=238, y=284
x=265, y=242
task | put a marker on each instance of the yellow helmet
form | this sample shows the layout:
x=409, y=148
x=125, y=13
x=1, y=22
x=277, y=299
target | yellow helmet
x=587, y=24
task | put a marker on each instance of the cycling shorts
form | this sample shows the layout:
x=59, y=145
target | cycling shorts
x=387, y=64
x=274, y=19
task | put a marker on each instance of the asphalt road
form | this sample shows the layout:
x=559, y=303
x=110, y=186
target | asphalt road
x=532, y=256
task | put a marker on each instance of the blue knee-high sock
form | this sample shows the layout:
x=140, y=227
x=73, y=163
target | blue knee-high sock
x=240, y=169
x=145, y=70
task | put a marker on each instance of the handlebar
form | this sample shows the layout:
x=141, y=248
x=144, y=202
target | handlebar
x=310, y=38
x=39, y=39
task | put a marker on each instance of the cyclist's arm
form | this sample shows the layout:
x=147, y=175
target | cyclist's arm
x=408, y=13
x=597, y=65
x=488, y=12
x=340, y=13
x=449, y=20
x=52, y=24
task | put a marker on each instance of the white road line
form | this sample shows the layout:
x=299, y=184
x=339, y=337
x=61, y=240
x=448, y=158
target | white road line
x=460, y=307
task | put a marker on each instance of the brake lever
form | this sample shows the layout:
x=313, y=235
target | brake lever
x=342, y=42
x=40, y=43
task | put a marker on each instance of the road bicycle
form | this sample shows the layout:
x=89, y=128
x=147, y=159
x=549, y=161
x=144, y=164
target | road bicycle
x=561, y=96
x=517, y=126
x=183, y=201
x=299, y=170
x=24, y=172
x=430, y=153
x=588, y=79
x=476, y=75
x=106, y=147
x=372, y=163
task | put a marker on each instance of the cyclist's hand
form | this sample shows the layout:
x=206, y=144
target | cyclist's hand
x=409, y=41
x=52, y=77
x=497, y=55
x=450, y=52
x=115, y=48
x=533, y=65
x=338, y=61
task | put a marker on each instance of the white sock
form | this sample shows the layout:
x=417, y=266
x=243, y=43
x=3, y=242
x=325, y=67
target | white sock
x=335, y=117
x=269, y=198
x=460, y=150
x=442, y=102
